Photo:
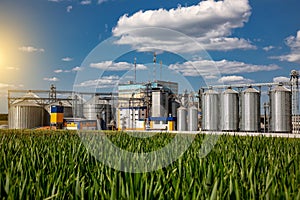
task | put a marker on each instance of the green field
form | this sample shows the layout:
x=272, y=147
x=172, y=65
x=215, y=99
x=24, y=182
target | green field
x=44, y=164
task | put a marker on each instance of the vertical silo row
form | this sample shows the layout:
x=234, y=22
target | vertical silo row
x=250, y=113
x=210, y=111
x=230, y=110
x=281, y=109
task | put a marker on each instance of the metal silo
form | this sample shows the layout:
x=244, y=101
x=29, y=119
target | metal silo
x=97, y=107
x=281, y=112
x=250, y=113
x=192, y=118
x=26, y=113
x=77, y=106
x=210, y=111
x=230, y=110
x=181, y=119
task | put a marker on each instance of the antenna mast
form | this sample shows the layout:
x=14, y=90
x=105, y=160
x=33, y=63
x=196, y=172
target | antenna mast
x=154, y=67
x=134, y=69
x=160, y=69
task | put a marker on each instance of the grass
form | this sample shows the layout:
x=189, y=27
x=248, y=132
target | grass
x=56, y=165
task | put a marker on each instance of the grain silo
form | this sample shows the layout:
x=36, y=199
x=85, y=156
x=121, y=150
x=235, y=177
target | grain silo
x=281, y=110
x=210, y=111
x=96, y=107
x=250, y=113
x=182, y=119
x=77, y=106
x=192, y=118
x=26, y=112
x=230, y=110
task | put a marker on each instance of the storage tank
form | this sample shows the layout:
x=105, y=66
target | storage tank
x=281, y=110
x=210, y=111
x=96, y=107
x=68, y=110
x=192, y=118
x=181, y=119
x=160, y=103
x=250, y=113
x=26, y=113
x=230, y=110
x=77, y=106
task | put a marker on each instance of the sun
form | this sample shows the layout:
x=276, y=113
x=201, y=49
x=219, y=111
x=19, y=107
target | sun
x=2, y=62
x=9, y=55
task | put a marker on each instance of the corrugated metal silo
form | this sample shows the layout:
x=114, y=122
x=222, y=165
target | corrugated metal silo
x=181, y=119
x=192, y=118
x=230, y=110
x=26, y=113
x=77, y=106
x=250, y=113
x=281, y=109
x=95, y=107
x=210, y=111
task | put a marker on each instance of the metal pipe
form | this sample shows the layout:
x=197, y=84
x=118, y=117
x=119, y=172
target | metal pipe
x=245, y=85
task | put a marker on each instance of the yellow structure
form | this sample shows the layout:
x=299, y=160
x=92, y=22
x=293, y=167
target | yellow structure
x=57, y=118
x=171, y=125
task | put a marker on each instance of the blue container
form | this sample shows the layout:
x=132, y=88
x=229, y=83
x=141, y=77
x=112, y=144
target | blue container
x=57, y=109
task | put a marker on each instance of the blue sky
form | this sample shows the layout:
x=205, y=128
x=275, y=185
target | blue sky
x=61, y=42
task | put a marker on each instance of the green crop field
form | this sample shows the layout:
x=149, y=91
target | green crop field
x=56, y=165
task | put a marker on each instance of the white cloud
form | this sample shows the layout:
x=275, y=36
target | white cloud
x=210, y=23
x=69, y=8
x=119, y=66
x=209, y=68
x=294, y=44
x=13, y=68
x=67, y=59
x=102, y=1
x=52, y=79
x=268, y=48
x=58, y=71
x=76, y=69
x=4, y=87
x=31, y=49
x=86, y=2
x=234, y=80
x=55, y=0
x=281, y=79
x=103, y=82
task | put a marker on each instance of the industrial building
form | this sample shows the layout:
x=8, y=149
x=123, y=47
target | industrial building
x=157, y=105
x=146, y=105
